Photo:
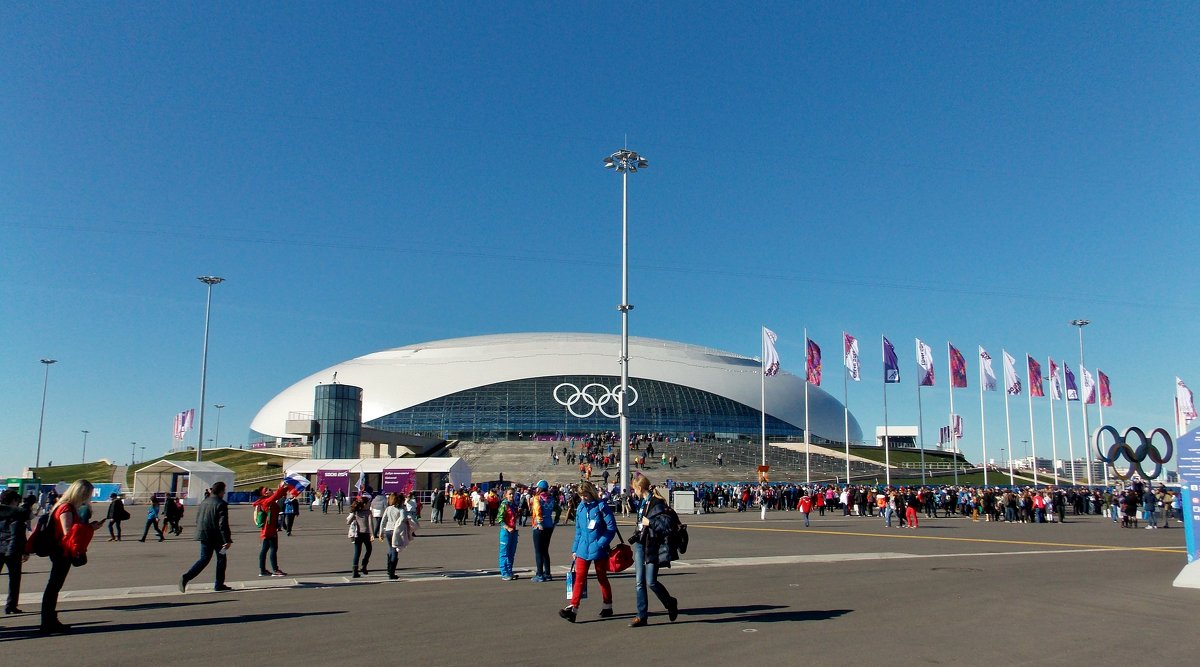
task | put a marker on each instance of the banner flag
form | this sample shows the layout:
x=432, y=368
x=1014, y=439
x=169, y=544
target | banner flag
x=1035, y=377
x=987, y=376
x=1187, y=406
x=925, y=361
x=1089, y=386
x=183, y=423
x=771, y=357
x=891, y=367
x=1056, y=393
x=296, y=481
x=850, y=347
x=946, y=436
x=1105, y=389
x=1012, y=383
x=812, y=362
x=1072, y=389
x=958, y=368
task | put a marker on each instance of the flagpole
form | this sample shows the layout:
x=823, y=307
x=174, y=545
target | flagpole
x=763, y=380
x=983, y=425
x=1032, y=439
x=887, y=459
x=1053, y=435
x=953, y=437
x=1070, y=433
x=1087, y=440
x=846, y=405
x=1100, y=406
x=807, y=469
x=1008, y=430
x=921, y=431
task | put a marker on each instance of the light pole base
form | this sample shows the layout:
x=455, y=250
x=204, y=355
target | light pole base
x=1189, y=576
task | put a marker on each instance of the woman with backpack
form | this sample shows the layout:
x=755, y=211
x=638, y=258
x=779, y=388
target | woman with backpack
x=69, y=536
x=652, y=548
x=595, y=526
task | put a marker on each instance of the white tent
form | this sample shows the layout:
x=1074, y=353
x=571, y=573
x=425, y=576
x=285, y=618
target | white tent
x=428, y=472
x=186, y=479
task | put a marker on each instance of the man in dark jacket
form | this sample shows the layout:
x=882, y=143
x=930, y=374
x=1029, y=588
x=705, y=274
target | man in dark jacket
x=212, y=532
x=13, y=518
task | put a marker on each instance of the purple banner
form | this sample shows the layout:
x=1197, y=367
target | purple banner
x=334, y=480
x=397, y=481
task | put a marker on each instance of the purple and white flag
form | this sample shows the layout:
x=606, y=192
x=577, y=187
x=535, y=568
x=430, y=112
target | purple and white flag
x=1012, y=382
x=1089, y=386
x=925, y=361
x=891, y=366
x=770, y=356
x=1184, y=399
x=987, y=376
x=1072, y=388
x=850, y=348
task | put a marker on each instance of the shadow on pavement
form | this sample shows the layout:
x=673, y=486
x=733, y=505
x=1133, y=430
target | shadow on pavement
x=92, y=628
x=760, y=613
x=149, y=606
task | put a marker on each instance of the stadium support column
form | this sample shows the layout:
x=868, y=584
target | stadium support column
x=624, y=161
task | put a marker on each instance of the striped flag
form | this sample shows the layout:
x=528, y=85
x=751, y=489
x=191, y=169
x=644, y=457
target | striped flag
x=891, y=367
x=987, y=376
x=958, y=368
x=812, y=362
x=1012, y=383
x=770, y=356
x=850, y=347
x=1035, y=377
x=925, y=361
x=1105, y=389
x=296, y=481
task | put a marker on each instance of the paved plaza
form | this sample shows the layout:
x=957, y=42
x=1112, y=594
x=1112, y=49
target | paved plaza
x=846, y=589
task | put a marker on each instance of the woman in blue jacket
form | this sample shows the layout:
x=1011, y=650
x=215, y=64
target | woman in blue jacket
x=595, y=527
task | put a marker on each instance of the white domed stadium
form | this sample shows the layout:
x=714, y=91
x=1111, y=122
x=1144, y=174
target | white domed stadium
x=545, y=383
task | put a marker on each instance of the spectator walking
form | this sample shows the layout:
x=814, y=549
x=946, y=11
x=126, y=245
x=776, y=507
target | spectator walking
x=595, y=527
x=212, y=532
x=507, y=514
x=394, y=516
x=542, y=510
x=152, y=515
x=652, y=549
x=117, y=514
x=13, y=520
x=359, y=520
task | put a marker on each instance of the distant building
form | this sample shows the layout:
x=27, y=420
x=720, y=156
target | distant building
x=899, y=437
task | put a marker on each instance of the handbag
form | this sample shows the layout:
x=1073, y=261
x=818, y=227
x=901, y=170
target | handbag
x=571, y=584
x=352, y=533
x=621, y=556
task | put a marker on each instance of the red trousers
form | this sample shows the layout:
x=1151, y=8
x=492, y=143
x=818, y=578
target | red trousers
x=910, y=514
x=581, y=570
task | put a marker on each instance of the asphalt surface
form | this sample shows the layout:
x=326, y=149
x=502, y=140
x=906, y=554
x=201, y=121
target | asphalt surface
x=845, y=589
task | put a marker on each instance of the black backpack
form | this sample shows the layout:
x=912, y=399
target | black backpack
x=678, y=537
x=41, y=540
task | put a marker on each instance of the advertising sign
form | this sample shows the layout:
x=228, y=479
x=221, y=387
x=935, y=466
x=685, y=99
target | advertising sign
x=397, y=481
x=1189, y=481
x=334, y=480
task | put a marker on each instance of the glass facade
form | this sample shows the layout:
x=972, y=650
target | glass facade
x=338, y=412
x=529, y=406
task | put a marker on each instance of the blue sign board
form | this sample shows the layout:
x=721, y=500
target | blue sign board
x=1188, y=447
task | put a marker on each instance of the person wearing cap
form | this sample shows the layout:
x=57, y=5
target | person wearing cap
x=541, y=507
x=268, y=504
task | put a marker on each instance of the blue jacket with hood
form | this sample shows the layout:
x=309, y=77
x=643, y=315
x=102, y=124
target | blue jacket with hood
x=592, y=543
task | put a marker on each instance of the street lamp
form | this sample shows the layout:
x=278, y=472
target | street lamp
x=42, y=419
x=624, y=162
x=133, y=453
x=83, y=457
x=1087, y=440
x=143, y=448
x=217, y=432
x=210, y=281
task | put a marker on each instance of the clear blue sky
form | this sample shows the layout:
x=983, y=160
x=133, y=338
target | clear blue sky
x=367, y=177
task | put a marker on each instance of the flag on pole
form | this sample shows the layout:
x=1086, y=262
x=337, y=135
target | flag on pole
x=812, y=362
x=958, y=368
x=1105, y=389
x=1072, y=389
x=925, y=361
x=361, y=484
x=1055, y=385
x=183, y=423
x=771, y=358
x=1035, y=377
x=1187, y=406
x=1012, y=383
x=891, y=367
x=296, y=481
x=850, y=347
x=987, y=376
x=1089, y=386
x=946, y=436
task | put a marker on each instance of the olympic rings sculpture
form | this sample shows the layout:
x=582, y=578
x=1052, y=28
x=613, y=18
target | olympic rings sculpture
x=594, y=397
x=1146, y=449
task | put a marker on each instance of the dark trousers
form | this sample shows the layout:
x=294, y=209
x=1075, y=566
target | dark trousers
x=541, y=550
x=360, y=542
x=206, y=553
x=270, y=545
x=288, y=521
x=152, y=523
x=14, y=580
x=60, y=566
x=114, y=529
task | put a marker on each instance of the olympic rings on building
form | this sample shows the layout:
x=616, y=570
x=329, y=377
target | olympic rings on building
x=592, y=397
x=1146, y=449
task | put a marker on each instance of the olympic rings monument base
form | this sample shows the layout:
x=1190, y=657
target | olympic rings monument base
x=1189, y=483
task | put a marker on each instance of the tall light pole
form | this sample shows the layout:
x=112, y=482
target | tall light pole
x=210, y=281
x=42, y=420
x=143, y=448
x=1087, y=439
x=83, y=457
x=133, y=453
x=624, y=162
x=217, y=431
